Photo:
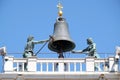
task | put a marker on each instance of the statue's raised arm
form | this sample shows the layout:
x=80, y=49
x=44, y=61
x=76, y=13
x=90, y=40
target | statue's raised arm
x=40, y=42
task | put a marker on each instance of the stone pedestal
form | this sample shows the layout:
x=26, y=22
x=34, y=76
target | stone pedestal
x=32, y=64
x=8, y=63
x=90, y=64
x=61, y=67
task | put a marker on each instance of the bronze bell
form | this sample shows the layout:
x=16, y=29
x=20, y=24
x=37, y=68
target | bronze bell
x=61, y=41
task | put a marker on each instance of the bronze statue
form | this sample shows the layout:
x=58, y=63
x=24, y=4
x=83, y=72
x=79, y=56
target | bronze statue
x=90, y=51
x=28, y=50
x=29, y=47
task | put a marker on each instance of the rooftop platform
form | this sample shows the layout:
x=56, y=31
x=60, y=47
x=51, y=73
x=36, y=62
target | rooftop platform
x=88, y=68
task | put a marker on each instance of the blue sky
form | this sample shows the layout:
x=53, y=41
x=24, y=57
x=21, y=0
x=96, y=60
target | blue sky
x=99, y=19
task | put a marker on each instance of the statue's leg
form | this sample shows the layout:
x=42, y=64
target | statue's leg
x=25, y=66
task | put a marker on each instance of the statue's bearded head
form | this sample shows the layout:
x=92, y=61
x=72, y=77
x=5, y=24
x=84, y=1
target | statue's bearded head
x=30, y=38
x=89, y=41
